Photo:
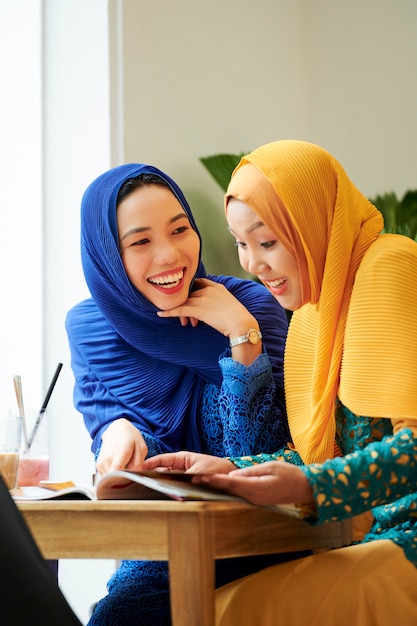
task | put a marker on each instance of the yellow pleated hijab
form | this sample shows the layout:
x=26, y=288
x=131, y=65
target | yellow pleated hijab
x=355, y=334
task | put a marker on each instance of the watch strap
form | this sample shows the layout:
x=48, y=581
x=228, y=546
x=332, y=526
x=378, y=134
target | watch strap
x=252, y=336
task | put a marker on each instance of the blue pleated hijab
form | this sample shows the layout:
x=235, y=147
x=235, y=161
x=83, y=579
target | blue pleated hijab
x=160, y=368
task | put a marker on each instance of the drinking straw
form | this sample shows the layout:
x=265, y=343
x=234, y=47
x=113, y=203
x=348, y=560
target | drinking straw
x=17, y=381
x=44, y=405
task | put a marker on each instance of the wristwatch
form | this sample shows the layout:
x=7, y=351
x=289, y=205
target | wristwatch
x=252, y=336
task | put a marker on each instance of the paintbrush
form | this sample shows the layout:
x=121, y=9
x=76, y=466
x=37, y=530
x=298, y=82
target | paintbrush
x=17, y=381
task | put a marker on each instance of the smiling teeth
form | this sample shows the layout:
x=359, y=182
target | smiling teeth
x=276, y=283
x=172, y=280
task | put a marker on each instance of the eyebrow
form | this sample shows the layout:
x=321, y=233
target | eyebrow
x=141, y=229
x=251, y=228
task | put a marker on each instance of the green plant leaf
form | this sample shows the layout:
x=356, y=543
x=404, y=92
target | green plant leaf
x=221, y=166
x=400, y=216
x=388, y=205
x=408, y=212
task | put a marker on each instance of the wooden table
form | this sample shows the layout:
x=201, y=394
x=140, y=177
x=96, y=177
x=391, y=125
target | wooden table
x=190, y=535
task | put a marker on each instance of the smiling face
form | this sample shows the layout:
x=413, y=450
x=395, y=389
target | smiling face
x=262, y=254
x=158, y=246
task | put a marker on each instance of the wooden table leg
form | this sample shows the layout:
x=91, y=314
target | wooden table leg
x=191, y=569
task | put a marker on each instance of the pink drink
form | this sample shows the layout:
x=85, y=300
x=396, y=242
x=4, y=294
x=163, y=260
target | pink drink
x=34, y=462
x=32, y=469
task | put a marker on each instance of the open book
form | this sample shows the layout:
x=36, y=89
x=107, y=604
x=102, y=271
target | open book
x=127, y=485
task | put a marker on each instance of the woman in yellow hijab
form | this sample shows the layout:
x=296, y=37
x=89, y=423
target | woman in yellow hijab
x=304, y=229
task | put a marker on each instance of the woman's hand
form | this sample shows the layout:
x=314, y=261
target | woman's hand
x=274, y=482
x=189, y=462
x=123, y=447
x=213, y=304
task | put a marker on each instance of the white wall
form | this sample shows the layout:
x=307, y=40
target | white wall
x=362, y=89
x=202, y=78
x=21, y=238
x=231, y=75
x=168, y=82
x=76, y=149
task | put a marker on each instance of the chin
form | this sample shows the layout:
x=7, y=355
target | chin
x=172, y=302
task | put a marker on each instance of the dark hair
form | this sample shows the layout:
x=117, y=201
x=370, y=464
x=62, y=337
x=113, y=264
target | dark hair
x=131, y=184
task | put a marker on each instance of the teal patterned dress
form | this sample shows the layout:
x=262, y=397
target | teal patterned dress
x=378, y=473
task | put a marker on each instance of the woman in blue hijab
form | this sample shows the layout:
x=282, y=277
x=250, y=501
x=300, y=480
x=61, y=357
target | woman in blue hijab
x=146, y=384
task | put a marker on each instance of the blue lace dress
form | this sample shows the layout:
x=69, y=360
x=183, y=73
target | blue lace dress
x=242, y=417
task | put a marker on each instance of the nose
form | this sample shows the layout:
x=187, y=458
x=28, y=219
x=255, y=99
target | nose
x=167, y=253
x=255, y=264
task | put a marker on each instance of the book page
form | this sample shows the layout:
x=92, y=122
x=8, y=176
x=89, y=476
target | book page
x=177, y=485
x=54, y=491
x=145, y=485
x=154, y=485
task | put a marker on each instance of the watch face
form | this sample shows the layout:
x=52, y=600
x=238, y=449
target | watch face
x=253, y=336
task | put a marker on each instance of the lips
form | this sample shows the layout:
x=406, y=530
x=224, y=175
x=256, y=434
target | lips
x=277, y=287
x=167, y=281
